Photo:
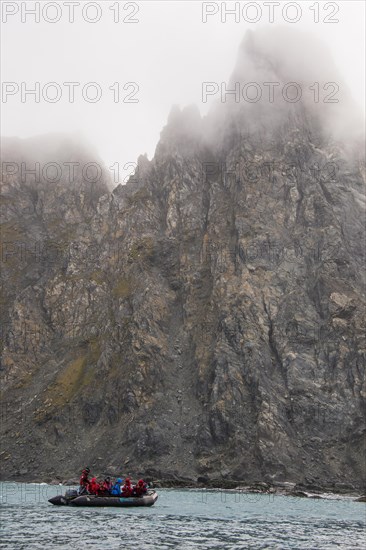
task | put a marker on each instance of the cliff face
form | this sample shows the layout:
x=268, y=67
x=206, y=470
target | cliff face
x=204, y=319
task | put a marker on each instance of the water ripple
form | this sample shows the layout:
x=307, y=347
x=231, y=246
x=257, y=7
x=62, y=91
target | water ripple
x=181, y=519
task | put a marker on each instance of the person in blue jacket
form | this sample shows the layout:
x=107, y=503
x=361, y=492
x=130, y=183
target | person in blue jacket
x=116, y=489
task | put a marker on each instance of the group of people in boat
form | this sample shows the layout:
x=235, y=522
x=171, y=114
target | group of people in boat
x=106, y=487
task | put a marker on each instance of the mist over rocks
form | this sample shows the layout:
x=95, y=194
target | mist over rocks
x=54, y=159
x=155, y=340
x=283, y=74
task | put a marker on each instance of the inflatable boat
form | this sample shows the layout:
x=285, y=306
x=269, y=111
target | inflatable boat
x=72, y=498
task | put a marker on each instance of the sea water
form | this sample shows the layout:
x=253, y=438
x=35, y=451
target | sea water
x=180, y=519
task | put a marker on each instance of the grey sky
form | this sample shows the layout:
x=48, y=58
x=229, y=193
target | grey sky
x=168, y=54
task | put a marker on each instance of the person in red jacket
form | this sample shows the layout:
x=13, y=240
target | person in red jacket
x=102, y=491
x=140, y=488
x=107, y=484
x=127, y=490
x=84, y=481
x=93, y=486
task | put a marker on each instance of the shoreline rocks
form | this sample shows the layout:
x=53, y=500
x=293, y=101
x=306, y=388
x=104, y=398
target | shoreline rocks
x=229, y=486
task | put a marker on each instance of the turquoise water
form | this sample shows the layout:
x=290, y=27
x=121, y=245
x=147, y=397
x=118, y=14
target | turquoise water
x=180, y=519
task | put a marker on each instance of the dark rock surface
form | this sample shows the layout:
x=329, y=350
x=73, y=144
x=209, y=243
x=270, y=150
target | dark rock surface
x=203, y=322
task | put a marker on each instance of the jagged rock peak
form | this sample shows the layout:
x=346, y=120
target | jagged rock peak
x=281, y=71
x=183, y=124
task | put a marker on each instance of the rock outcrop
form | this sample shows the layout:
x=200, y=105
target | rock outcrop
x=204, y=320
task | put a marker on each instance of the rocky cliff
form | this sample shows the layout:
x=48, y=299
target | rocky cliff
x=206, y=319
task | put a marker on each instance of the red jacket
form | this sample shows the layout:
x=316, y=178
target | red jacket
x=107, y=485
x=93, y=486
x=140, y=488
x=127, y=489
x=84, y=481
x=102, y=491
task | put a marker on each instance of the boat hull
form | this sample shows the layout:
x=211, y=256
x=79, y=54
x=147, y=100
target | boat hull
x=93, y=500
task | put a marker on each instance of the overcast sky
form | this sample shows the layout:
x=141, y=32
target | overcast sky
x=164, y=48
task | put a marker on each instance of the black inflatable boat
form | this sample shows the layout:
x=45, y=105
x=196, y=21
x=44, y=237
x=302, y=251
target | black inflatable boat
x=72, y=498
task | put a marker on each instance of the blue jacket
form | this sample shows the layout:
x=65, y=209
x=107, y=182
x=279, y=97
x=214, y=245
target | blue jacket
x=116, y=489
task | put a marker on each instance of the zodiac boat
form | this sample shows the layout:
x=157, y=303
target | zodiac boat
x=72, y=498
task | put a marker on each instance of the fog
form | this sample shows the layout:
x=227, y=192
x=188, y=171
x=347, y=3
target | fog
x=281, y=72
x=148, y=56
